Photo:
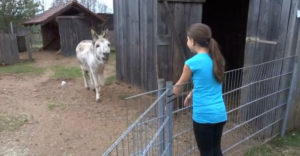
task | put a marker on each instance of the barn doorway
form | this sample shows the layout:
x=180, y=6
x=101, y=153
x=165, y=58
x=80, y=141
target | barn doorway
x=228, y=21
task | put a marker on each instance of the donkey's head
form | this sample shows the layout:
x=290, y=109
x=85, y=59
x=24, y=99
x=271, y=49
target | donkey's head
x=101, y=45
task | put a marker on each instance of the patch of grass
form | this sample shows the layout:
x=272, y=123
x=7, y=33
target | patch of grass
x=66, y=72
x=277, y=142
x=55, y=104
x=22, y=68
x=122, y=97
x=279, y=146
x=291, y=139
x=112, y=55
x=12, y=123
x=110, y=80
x=259, y=151
x=113, y=49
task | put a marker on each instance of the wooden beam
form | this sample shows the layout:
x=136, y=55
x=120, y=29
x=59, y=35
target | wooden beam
x=184, y=1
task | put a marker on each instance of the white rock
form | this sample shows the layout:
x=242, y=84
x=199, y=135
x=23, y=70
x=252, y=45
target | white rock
x=63, y=83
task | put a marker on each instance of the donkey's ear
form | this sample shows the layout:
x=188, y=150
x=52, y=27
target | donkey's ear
x=95, y=36
x=105, y=33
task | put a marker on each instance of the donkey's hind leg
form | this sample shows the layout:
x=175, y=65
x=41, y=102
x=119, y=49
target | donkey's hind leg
x=85, y=78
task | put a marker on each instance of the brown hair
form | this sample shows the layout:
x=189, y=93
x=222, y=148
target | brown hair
x=202, y=35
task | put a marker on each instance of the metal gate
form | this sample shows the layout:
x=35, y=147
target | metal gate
x=256, y=99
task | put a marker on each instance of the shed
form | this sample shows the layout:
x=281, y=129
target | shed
x=64, y=26
x=151, y=34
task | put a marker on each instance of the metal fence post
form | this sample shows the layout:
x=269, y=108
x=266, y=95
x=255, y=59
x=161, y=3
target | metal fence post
x=169, y=113
x=161, y=113
x=292, y=95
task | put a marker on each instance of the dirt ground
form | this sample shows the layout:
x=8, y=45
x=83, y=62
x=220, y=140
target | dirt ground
x=61, y=121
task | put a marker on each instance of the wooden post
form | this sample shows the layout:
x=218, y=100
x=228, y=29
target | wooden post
x=28, y=45
x=11, y=28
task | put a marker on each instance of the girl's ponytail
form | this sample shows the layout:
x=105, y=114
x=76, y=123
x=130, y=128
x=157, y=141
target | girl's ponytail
x=218, y=60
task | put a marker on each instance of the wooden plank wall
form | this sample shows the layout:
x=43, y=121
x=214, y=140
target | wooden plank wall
x=134, y=39
x=267, y=21
x=9, y=53
x=72, y=30
x=293, y=48
x=142, y=57
x=170, y=57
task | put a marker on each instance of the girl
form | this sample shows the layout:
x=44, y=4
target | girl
x=206, y=69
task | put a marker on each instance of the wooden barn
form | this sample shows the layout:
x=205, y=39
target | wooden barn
x=151, y=34
x=64, y=26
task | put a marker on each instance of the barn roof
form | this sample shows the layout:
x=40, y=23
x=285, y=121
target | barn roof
x=51, y=13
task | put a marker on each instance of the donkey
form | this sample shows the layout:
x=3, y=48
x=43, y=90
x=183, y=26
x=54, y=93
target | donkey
x=92, y=56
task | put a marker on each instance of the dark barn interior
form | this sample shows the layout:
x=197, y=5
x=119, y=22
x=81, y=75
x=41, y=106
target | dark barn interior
x=50, y=33
x=228, y=21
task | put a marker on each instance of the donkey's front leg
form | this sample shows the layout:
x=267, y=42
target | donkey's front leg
x=96, y=83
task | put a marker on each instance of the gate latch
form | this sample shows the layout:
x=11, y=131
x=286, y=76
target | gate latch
x=255, y=39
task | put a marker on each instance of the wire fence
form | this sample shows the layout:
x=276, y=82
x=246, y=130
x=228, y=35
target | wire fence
x=256, y=99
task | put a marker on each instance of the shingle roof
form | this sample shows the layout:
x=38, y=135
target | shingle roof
x=58, y=10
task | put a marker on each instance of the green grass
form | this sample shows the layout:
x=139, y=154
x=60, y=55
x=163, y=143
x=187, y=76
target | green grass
x=291, y=139
x=112, y=55
x=22, y=68
x=288, y=146
x=259, y=151
x=122, y=97
x=66, y=72
x=113, y=49
x=12, y=123
x=110, y=80
x=53, y=104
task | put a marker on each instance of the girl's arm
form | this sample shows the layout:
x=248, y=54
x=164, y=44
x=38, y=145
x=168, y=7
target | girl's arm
x=185, y=77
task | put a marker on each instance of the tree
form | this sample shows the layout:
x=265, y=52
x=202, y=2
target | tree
x=59, y=2
x=90, y=4
x=102, y=8
x=93, y=5
x=16, y=11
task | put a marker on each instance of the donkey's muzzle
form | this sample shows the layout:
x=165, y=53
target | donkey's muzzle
x=106, y=56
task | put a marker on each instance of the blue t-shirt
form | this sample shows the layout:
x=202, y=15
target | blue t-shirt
x=208, y=103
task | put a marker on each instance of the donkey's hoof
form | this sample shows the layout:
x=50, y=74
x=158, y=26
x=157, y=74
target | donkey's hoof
x=98, y=100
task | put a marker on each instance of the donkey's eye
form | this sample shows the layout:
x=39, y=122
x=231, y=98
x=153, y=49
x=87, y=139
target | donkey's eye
x=97, y=45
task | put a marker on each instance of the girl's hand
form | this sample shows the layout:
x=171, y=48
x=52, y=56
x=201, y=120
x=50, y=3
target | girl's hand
x=188, y=100
x=176, y=90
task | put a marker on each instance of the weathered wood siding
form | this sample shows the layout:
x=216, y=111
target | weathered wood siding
x=293, y=48
x=134, y=40
x=145, y=46
x=9, y=53
x=170, y=56
x=72, y=30
x=267, y=20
